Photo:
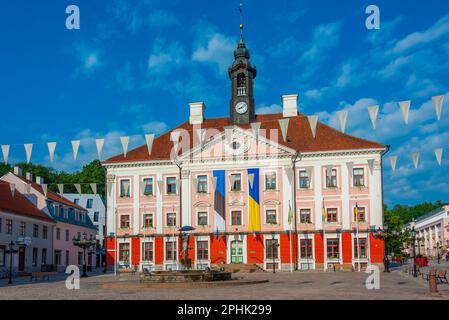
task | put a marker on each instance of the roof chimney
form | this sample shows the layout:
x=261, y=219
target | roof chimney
x=290, y=105
x=39, y=180
x=29, y=176
x=196, y=112
x=17, y=171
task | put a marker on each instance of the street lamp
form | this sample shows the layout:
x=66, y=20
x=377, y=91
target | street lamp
x=274, y=248
x=84, y=244
x=414, y=251
x=11, y=250
x=438, y=252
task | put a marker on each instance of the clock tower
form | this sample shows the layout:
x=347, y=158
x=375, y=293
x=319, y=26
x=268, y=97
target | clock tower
x=242, y=75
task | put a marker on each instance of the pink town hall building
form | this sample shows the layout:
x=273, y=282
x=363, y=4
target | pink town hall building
x=267, y=190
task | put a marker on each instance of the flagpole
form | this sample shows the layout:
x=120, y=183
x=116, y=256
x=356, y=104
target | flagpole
x=323, y=214
x=357, y=236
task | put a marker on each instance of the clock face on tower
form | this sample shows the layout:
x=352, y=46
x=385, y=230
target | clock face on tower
x=241, y=107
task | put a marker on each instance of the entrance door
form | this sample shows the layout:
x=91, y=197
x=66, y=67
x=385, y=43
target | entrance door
x=21, y=258
x=237, y=251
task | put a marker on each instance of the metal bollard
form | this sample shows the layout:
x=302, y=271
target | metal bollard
x=433, y=288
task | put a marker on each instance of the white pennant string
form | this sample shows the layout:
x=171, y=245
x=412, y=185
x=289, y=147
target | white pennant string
x=283, y=124
x=439, y=155
x=255, y=126
x=174, y=136
x=12, y=187
x=329, y=170
x=200, y=133
x=51, y=150
x=149, y=138
x=99, y=143
x=44, y=188
x=371, y=165
x=438, y=102
x=289, y=173
x=125, y=143
x=28, y=151
x=178, y=185
x=27, y=188
x=5, y=152
x=373, y=113
x=214, y=183
x=393, y=161
x=93, y=186
x=405, y=108
x=251, y=179
x=309, y=171
x=350, y=166
x=75, y=148
x=342, y=117
x=415, y=158
x=313, y=120
x=159, y=186
x=61, y=188
x=78, y=187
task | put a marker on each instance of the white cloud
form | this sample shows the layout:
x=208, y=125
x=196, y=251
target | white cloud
x=325, y=37
x=218, y=51
x=165, y=56
x=90, y=59
x=264, y=109
x=155, y=127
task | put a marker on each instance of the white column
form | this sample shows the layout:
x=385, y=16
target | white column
x=136, y=205
x=186, y=199
x=345, y=210
x=159, y=218
x=287, y=187
x=318, y=198
x=375, y=192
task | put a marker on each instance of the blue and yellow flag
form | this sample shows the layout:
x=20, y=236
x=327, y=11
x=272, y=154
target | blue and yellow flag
x=356, y=213
x=290, y=214
x=323, y=213
x=254, y=211
x=220, y=201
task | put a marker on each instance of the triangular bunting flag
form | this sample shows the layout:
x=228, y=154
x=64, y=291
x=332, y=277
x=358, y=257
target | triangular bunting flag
x=125, y=144
x=438, y=102
x=405, y=108
x=44, y=188
x=313, y=120
x=309, y=171
x=51, y=150
x=178, y=185
x=109, y=187
x=214, y=183
x=159, y=186
x=174, y=137
x=27, y=188
x=28, y=151
x=371, y=165
x=251, y=179
x=283, y=124
x=12, y=187
x=393, y=161
x=415, y=158
x=61, y=188
x=342, y=117
x=228, y=134
x=373, y=113
x=255, y=126
x=5, y=152
x=232, y=179
x=149, y=138
x=350, y=166
x=77, y=187
x=99, y=143
x=329, y=170
x=289, y=174
x=93, y=186
x=439, y=155
x=75, y=148
x=195, y=182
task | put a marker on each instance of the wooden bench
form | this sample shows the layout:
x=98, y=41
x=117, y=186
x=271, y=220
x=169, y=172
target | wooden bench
x=127, y=270
x=42, y=275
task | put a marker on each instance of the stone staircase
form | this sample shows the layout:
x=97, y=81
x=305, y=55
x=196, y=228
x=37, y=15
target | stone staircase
x=242, y=268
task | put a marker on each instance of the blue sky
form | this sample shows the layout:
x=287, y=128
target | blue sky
x=133, y=69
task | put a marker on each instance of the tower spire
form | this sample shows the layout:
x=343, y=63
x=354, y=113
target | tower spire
x=241, y=20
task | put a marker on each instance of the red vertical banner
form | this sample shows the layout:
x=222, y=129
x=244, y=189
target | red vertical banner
x=135, y=251
x=159, y=250
x=218, y=250
x=376, y=249
x=192, y=246
x=255, y=248
x=286, y=243
x=346, y=239
x=319, y=248
x=110, y=251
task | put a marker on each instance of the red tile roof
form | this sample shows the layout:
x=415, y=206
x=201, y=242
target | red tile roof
x=299, y=138
x=19, y=204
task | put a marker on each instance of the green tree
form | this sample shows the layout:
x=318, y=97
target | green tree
x=4, y=168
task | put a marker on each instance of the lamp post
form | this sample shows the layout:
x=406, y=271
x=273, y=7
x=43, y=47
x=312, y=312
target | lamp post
x=274, y=251
x=414, y=251
x=84, y=244
x=11, y=250
x=438, y=252
x=386, y=261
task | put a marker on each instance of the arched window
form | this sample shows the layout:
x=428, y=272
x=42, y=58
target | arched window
x=241, y=84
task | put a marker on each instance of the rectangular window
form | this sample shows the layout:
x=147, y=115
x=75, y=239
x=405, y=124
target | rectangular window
x=67, y=257
x=358, y=176
x=360, y=244
x=58, y=234
x=125, y=191
x=271, y=248
x=22, y=229
x=304, y=182
x=171, y=185
x=61, y=211
x=202, y=184
x=147, y=249
x=34, y=257
x=80, y=258
x=96, y=216
x=304, y=216
x=36, y=230
x=66, y=213
x=123, y=252
x=333, y=250
x=148, y=220
x=236, y=218
x=44, y=256
x=202, y=250
x=2, y=256
x=170, y=250
x=202, y=218
x=8, y=226
x=67, y=235
x=332, y=215
x=44, y=232
x=236, y=182
x=171, y=219
x=331, y=181
x=361, y=216
x=270, y=216
x=124, y=221
x=148, y=186
x=89, y=203
x=58, y=257
x=270, y=181
x=306, y=248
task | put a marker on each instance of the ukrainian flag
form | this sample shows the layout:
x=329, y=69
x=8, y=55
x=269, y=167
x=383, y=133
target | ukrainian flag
x=254, y=211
